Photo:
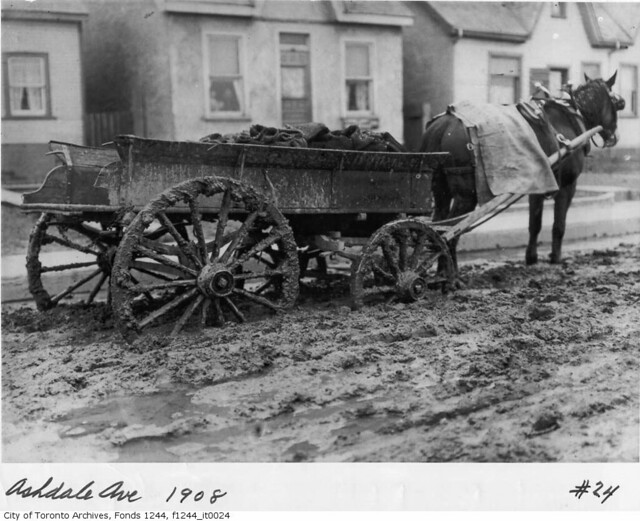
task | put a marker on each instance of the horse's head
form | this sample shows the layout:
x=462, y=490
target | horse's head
x=599, y=105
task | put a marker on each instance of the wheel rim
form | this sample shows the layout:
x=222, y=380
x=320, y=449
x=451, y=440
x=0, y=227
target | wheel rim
x=85, y=267
x=401, y=261
x=203, y=265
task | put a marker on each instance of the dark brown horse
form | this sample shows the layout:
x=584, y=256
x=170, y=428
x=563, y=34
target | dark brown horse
x=454, y=189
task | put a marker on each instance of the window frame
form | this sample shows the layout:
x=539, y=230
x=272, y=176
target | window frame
x=630, y=114
x=565, y=74
x=518, y=88
x=561, y=12
x=8, y=112
x=207, y=75
x=372, y=78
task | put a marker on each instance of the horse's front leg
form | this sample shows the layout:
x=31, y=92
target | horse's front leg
x=562, y=203
x=536, y=205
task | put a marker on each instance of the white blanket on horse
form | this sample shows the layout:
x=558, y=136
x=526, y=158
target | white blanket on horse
x=509, y=158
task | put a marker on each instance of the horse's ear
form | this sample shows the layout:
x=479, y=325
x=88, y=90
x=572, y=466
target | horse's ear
x=586, y=78
x=612, y=80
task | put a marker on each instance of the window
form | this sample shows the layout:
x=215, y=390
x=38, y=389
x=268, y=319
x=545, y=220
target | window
x=295, y=78
x=359, y=77
x=504, y=79
x=592, y=70
x=225, y=85
x=558, y=10
x=557, y=79
x=628, y=88
x=27, y=85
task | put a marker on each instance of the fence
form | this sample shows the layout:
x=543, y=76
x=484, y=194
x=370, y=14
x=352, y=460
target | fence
x=102, y=127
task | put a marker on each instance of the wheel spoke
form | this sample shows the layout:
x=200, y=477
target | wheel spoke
x=379, y=289
x=71, y=266
x=75, y=286
x=255, y=298
x=180, y=241
x=240, y=235
x=427, y=262
x=417, y=251
x=196, y=223
x=259, y=274
x=274, y=237
x=388, y=255
x=62, y=241
x=168, y=307
x=241, y=318
x=187, y=315
x=148, y=269
x=97, y=287
x=223, y=218
x=158, y=247
x=219, y=319
x=204, y=313
x=163, y=260
x=403, y=240
x=379, y=270
x=142, y=288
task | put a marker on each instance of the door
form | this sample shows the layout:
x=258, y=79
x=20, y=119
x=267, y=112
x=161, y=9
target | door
x=295, y=78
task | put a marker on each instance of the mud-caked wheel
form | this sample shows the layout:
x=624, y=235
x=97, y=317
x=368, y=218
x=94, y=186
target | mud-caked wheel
x=68, y=257
x=402, y=261
x=203, y=252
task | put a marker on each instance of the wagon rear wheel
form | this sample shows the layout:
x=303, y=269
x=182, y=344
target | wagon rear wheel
x=67, y=257
x=204, y=252
x=402, y=261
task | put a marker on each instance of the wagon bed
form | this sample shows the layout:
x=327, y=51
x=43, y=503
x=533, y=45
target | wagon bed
x=223, y=227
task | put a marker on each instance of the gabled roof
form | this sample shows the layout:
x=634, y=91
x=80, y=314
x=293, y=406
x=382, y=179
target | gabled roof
x=610, y=24
x=509, y=21
x=49, y=10
x=372, y=12
x=606, y=24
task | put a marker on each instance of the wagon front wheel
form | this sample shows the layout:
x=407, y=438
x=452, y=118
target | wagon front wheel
x=204, y=252
x=402, y=261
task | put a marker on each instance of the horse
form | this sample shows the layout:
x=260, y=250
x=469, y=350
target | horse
x=453, y=187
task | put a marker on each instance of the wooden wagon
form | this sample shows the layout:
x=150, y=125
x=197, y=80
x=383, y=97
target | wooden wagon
x=194, y=234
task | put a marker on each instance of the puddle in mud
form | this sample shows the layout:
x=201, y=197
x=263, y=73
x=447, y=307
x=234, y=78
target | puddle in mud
x=168, y=426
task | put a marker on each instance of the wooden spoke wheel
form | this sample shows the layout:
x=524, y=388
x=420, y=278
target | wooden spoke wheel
x=67, y=257
x=206, y=251
x=402, y=261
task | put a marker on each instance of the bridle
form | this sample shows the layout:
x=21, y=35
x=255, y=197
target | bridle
x=587, y=97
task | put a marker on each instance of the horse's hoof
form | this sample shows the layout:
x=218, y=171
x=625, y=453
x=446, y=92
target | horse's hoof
x=554, y=259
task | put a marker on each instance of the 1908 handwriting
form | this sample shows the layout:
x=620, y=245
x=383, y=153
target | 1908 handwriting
x=117, y=491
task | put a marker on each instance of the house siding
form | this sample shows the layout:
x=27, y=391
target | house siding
x=428, y=68
x=262, y=67
x=25, y=140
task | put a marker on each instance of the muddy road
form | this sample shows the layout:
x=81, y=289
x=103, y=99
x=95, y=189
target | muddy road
x=524, y=364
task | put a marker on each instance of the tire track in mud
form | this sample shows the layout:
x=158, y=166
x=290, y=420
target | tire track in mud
x=525, y=364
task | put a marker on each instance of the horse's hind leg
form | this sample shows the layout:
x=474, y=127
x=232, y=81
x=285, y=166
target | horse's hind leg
x=536, y=205
x=461, y=205
x=441, y=201
x=562, y=203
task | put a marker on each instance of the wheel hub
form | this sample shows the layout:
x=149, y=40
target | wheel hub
x=216, y=280
x=411, y=286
